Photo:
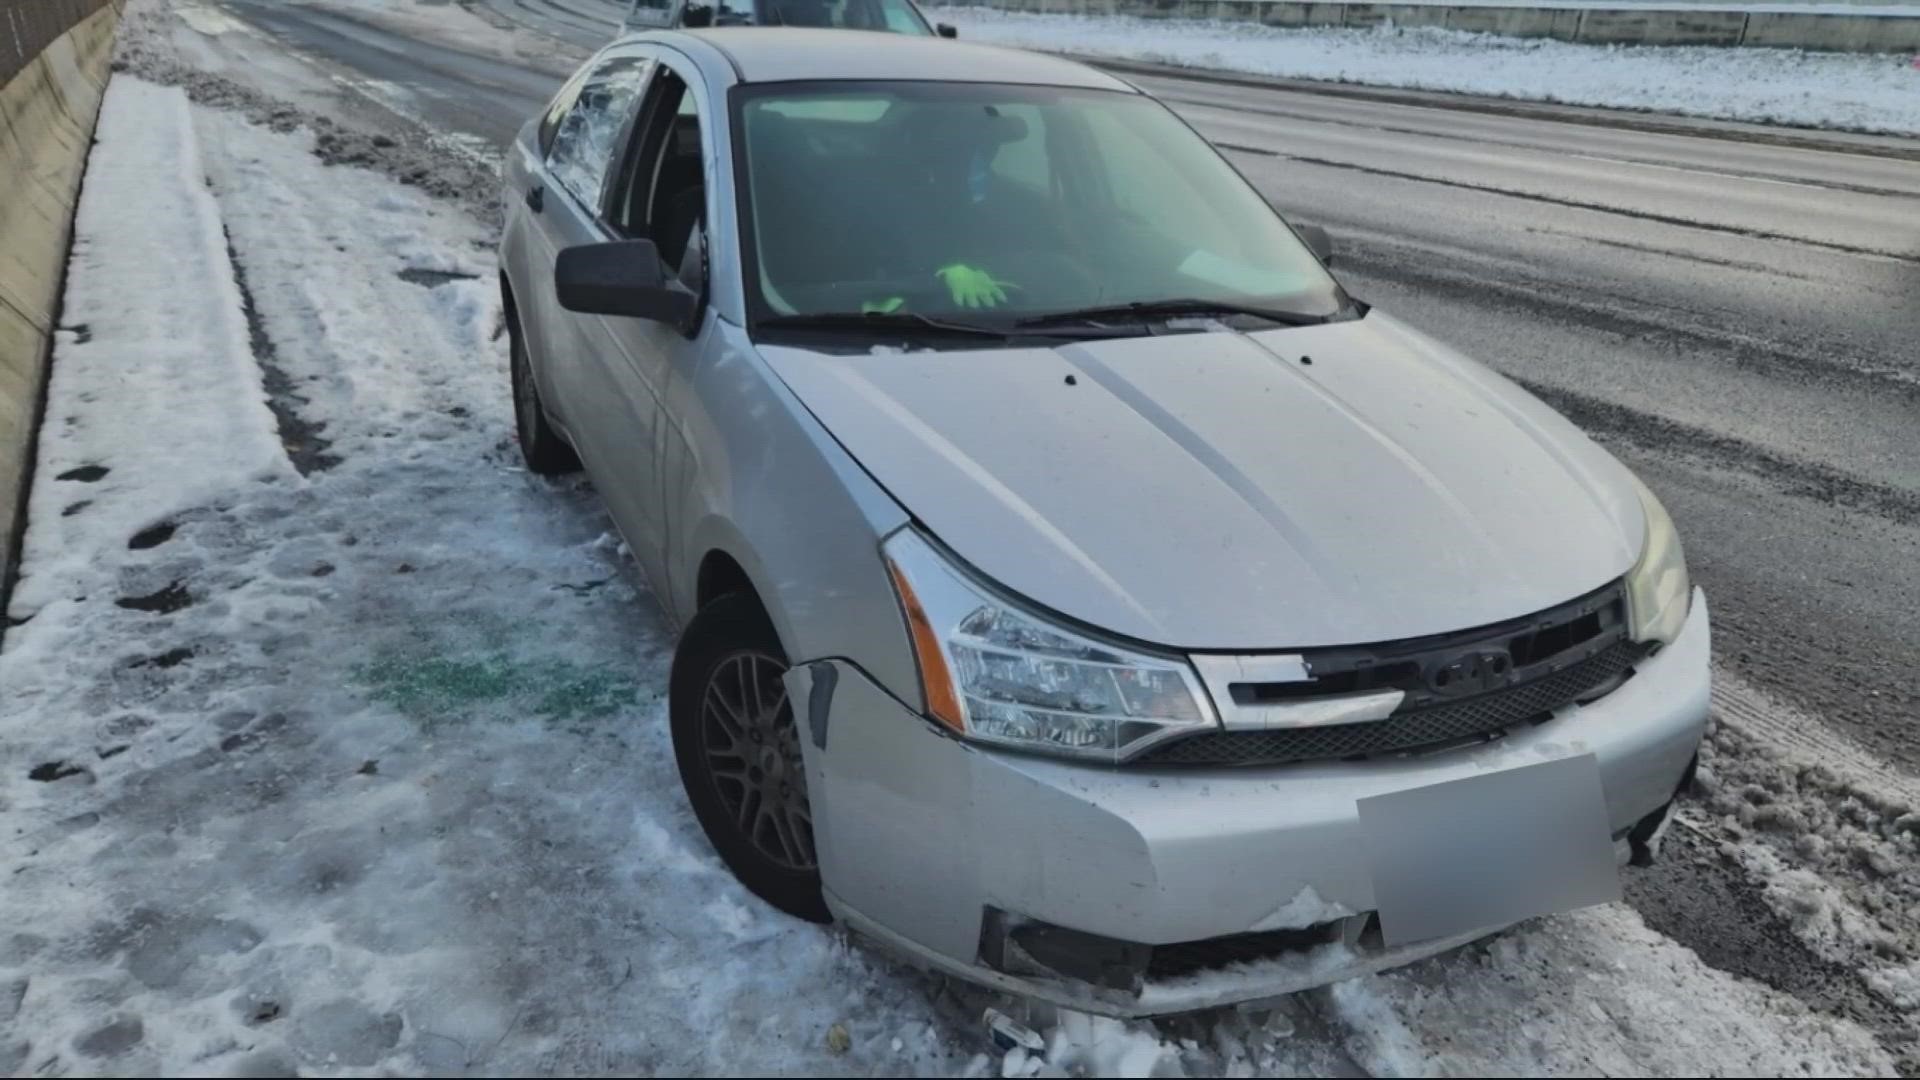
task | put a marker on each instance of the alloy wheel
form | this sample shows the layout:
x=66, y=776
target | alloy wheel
x=753, y=755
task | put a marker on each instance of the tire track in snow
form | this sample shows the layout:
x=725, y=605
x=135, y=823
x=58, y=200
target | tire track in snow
x=1807, y=739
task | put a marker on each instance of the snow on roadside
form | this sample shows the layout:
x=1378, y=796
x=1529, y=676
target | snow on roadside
x=156, y=41
x=1594, y=992
x=1777, y=86
x=1831, y=839
x=181, y=365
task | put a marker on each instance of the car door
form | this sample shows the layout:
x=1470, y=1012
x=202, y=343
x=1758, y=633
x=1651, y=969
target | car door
x=593, y=114
x=658, y=193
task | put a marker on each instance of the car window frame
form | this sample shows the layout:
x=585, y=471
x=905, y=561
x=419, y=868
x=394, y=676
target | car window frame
x=641, y=129
x=628, y=145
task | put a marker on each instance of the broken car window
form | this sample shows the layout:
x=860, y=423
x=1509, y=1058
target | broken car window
x=583, y=145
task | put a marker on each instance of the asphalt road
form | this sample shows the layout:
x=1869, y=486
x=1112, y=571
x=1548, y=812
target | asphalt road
x=1733, y=310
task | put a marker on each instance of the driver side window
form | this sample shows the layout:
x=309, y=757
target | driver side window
x=583, y=142
x=663, y=193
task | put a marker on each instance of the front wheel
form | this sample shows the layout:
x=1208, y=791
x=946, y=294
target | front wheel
x=739, y=754
x=541, y=447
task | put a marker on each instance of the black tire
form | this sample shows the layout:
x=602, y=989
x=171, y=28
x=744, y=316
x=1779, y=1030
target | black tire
x=739, y=754
x=541, y=447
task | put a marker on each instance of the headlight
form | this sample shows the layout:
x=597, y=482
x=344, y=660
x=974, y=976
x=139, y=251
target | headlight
x=1658, y=591
x=997, y=674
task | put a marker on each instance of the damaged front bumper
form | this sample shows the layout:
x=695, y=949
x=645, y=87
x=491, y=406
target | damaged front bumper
x=1142, y=891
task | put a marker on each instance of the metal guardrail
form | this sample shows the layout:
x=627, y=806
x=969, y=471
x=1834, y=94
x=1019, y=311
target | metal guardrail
x=28, y=26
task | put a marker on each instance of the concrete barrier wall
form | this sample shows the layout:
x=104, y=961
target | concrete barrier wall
x=55, y=73
x=1837, y=30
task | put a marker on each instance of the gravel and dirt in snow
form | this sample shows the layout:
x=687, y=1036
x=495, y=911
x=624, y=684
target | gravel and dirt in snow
x=333, y=742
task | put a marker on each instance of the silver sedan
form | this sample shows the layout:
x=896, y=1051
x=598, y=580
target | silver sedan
x=1081, y=592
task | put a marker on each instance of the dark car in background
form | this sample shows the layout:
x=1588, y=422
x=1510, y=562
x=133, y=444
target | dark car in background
x=885, y=16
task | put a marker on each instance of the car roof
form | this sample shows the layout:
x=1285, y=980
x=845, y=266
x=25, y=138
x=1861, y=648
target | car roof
x=792, y=54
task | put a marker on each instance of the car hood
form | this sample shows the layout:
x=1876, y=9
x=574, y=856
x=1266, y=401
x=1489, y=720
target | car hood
x=1339, y=484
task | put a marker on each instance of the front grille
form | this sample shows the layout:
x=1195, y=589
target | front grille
x=1434, y=725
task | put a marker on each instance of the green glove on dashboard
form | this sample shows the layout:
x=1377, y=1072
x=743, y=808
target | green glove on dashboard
x=971, y=287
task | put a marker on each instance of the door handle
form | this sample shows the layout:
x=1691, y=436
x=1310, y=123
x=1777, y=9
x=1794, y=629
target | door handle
x=537, y=198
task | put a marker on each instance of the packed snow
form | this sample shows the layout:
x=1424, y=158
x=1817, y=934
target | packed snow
x=1831, y=838
x=1306, y=908
x=332, y=741
x=1777, y=86
x=178, y=363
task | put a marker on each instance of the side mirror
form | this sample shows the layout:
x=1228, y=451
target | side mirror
x=621, y=278
x=1317, y=241
x=947, y=30
x=697, y=16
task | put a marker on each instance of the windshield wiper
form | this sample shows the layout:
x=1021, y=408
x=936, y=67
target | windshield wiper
x=879, y=321
x=1159, y=309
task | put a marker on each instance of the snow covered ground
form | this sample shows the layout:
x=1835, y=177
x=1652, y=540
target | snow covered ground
x=332, y=741
x=1778, y=86
x=363, y=769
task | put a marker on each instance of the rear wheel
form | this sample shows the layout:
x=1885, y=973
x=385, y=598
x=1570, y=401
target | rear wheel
x=541, y=447
x=738, y=749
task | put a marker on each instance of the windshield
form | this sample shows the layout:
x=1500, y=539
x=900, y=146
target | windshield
x=997, y=204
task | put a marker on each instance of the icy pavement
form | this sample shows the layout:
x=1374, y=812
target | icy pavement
x=332, y=741
x=1778, y=86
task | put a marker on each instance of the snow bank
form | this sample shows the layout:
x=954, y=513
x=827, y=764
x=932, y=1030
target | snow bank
x=1829, y=835
x=1597, y=988
x=176, y=359
x=1082, y=1045
x=1777, y=86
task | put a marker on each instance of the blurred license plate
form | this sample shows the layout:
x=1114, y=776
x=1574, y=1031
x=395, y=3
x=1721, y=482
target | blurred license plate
x=1485, y=851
